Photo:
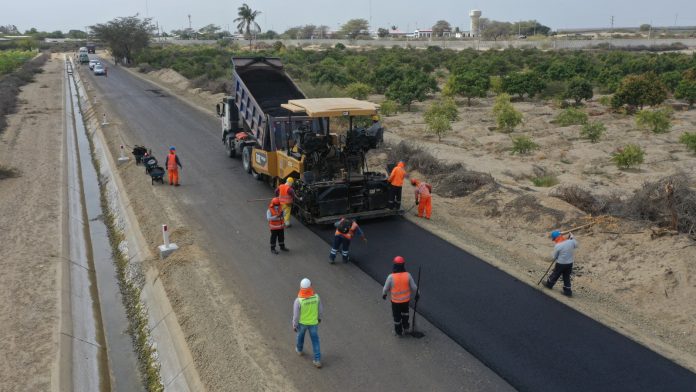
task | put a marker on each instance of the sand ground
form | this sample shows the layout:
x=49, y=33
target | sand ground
x=30, y=234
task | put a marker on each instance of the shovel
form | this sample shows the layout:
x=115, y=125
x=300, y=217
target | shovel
x=414, y=333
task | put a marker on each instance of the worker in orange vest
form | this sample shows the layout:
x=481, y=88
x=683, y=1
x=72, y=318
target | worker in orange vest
x=276, y=223
x=396, y=181
x=286, y=194
x=400, y=285
x=173, y=164
x=423, y=198
x=346, y=229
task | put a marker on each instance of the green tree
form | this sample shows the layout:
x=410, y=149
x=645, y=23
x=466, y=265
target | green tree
x=439, y=125
x=382, y=32
x=440, y=27
x=494, y=30
x=506, y=116
x=593, y=131
x=657, y=121
x=354, y=28
x=246, y=22
x=522, y=83
x=125, y=36
x=385, y=75
x=645, y=27
x=308, y=31
x=686, y=90
x=469, y=84
x=640, y=90
x=445, y=107
x=329, y=71
x=578, y=89
x=209, y=32
x=414, y=86
x=358, y=90
x=77, y=34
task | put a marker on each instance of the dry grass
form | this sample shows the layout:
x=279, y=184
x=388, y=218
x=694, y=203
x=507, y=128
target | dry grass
x=652, y=203
x=10, y=86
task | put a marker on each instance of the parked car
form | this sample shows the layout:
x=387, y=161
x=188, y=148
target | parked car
x=99, y=69
x=92, y=63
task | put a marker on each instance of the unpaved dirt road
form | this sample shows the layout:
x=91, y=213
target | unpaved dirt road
x=30, y=235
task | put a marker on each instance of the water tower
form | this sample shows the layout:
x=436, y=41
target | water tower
x=475, y=19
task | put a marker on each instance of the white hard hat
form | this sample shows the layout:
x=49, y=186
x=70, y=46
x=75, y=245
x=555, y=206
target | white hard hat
x=305, y=283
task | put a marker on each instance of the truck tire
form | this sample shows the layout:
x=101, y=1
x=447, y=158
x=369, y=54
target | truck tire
x=230, y=149
x=246, y=159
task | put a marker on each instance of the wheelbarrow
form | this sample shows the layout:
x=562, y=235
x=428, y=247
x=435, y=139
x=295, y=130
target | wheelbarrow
x=157, y=175
x=150, y=163
x=138, y=152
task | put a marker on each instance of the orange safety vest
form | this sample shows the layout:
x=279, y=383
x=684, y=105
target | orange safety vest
x=171, y=162
x=350, y=233
x=283, y=194
x=396, y=178
x=423, y=190
x=401, y=289
x=277, y=221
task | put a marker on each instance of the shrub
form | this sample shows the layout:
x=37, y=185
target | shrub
x=571, y=116
x=593, y=131
x=358, y=90
x=506, y=117
x=689, y=139
x=445, y=107
x=686, y=90
x=640, y=90
x=605, y=100
x=438, y=124
x=658, y=121
x=628, y=156
x=545, y=181
x=339, y=46
x=523, y=145
x=497, y=84
x=388, y=108
x=578, y=89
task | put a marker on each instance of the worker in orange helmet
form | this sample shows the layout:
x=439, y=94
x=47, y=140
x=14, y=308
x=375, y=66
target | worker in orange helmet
x=400, y=285
x=286, y=195
x=423, y=198
x=276, y=222
x=396, y=181
x=173, y=164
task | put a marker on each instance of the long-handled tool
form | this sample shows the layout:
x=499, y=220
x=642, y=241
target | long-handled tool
x=266, y=199
x=545, y=273
x=414, y=333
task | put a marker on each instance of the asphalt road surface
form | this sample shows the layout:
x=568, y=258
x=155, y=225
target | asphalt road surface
x=529, y=339
x=359, y=351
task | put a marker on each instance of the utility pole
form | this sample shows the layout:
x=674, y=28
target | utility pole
x=189, y=16
x=612, y=24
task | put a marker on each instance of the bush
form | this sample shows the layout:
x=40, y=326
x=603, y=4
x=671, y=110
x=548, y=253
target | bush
x=506, y=117
x=545, y=181
x=438, y=124
x=658, y=121
x=388, y=108
x=339, y=46
x=689, y=139
x=523, y=145
x=628, y=156
x=578, y=89
x=497, y=84
x=571, y=116
x=605, y=100
x=358, y=90
x=593, y=131
x=445, y=107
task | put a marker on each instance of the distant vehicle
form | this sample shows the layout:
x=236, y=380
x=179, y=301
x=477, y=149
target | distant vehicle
x=83, y=49
x=99, y=69
x=521, y=37
x=84, y=58
x=91, y=48
x=92, y=63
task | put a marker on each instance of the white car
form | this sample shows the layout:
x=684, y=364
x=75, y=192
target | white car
x=92, y=63
x=99, y=69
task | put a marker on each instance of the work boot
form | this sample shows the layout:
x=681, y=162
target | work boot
x=332, y=260
x=317, y=364
x=274, y=251
x=547, y=284
x=176, y=184
x=284, y=249
x=567, y=292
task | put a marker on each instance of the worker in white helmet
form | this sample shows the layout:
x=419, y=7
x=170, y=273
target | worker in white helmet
x=306, y=316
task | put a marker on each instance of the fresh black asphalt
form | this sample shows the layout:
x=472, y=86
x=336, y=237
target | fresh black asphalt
x=530, y=339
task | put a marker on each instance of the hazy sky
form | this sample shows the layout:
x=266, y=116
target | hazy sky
x=278, y=15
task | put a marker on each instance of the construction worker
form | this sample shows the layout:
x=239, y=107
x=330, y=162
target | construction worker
x=346, y=229
x=396, y=181
x=563, y=255
x=286, y=194
x=400, y=285
x=276, y=223
x=423, y=198
x=376, y=129
x=306, y=316
x=173, y=164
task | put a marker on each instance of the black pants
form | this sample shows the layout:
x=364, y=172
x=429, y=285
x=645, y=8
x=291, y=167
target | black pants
x=558, y=270
x=394, y=197
x=400, y=312
x=278, y=235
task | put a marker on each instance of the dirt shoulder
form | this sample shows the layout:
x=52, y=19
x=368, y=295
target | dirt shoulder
x=30, y=233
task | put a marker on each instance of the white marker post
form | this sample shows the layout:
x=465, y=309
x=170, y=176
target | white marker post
x=104, y=122
x=167, y=248
x=122, y=156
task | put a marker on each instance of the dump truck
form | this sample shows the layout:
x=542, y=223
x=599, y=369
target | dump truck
x=279, y=133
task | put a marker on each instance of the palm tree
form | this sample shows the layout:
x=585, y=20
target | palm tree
x=246, y=21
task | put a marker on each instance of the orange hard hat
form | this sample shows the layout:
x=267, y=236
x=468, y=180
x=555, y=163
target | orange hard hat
x=401, y=164
x=399, y=260
x=414, y=181
x=275, y=201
